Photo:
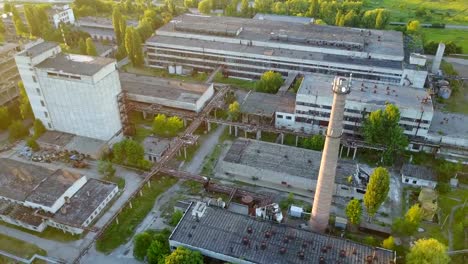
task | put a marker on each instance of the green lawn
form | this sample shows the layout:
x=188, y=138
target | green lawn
x=19, y=248
x=210, y=160
x=458, y=36
x=238, y=83
x=439, y=11
x=118, y=234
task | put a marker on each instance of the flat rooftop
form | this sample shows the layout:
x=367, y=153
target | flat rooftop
x=75, y=64
x=285, y=159
x=162, y=88
x=39, y=48
x=155, y=146
x=84, y=202
x=101, y=22
x=292, y=19
x=368, y=92
x=27, y=182
x=377, y=41
x=20, y=213
x=449, y=124
x=267, y=104
x=221, y=231
x=417, y=171
x=274, y=52
x=50, y=189
x=85, y=145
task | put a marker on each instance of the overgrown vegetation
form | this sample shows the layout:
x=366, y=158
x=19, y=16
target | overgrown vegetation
x=167, y=127
x=131, y=153
x=117, y=234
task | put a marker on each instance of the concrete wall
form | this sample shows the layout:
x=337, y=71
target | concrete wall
x=65, y=16
x=205, y=98
x=86, y=107
x=418, y=182
x=61, y=200
x=30, y=80
x=284, y=120
x=15, y=222
x=163, y=101
x=414, y=78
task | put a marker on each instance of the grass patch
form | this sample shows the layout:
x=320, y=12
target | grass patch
x=141, y=133
x=163, y=73
x=193, y=187
x=238, y=83
x=269, y=137
x=18, y=248
x=191, y=150
x=225, y=135
x=117, y=180
x=458, y=36
x=118, y=234
x=211, y=160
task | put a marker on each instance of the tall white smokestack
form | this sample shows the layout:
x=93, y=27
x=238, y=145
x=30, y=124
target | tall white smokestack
x=438, y=58
x=326, y=179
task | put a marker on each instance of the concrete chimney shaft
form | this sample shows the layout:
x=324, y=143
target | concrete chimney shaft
x=326, y=179
x=438, y=58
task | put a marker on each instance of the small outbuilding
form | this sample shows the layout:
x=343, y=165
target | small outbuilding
x=417, y=175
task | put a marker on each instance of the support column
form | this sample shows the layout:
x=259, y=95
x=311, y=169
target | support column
x=141, y=193
x=354, y=155
x=185, y=152
x=282, y=138
x=144, y=114
x=235, y=131
x=131, y=206
x=117, y=220
x=208, y=125
x=185, y=122
x=341, y=151
x=259, y=134
x=347, y=153
x=230, y=130
x=297, y=140
x=149, y=184
x=245, y=133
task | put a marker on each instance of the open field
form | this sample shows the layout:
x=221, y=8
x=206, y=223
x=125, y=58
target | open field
x=19, y=248
x=436, y=11
x=458, y=36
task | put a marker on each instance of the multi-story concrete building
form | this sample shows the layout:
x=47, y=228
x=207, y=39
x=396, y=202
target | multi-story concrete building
x=71, y=93
x=61, y=14
x=314, y=103
x=246, y=48
x=100, y=28
x=8, y=72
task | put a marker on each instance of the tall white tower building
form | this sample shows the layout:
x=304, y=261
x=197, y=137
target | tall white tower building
x=71, y=93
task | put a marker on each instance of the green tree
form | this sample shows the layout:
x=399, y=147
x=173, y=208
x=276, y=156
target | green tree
x=377, y=190
x=116, y=20
x=320, y=22
x=263, y=6
x=413, y=26
x=159, y=124
x=204, y=7
x=389, y=243
x=184, y=256
x=354, y=212
x=106, y=169
x=173, y=125
x=351, y=19
x=171, y=7
x=31, y=142
x=245, y=8
x=39, y=128
x=17, y=131
x=25, y=106
x=82, y=46
x=427, y=251
x=7, y=7
x=5, y=119
x=269, y=82
x=129, y=152
x=19, y=25
x=138, y=58
x=32, y=19
x=157, y=252
x=2, y=27
x=313, y=8
x=316, y=142
x=90, y=47
x=144, y=29
x=142, y=242
x=409, y=224
x=234, y=110
x=129, y=33
x=191, y=3
x=175, y=218
x=382, y=128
